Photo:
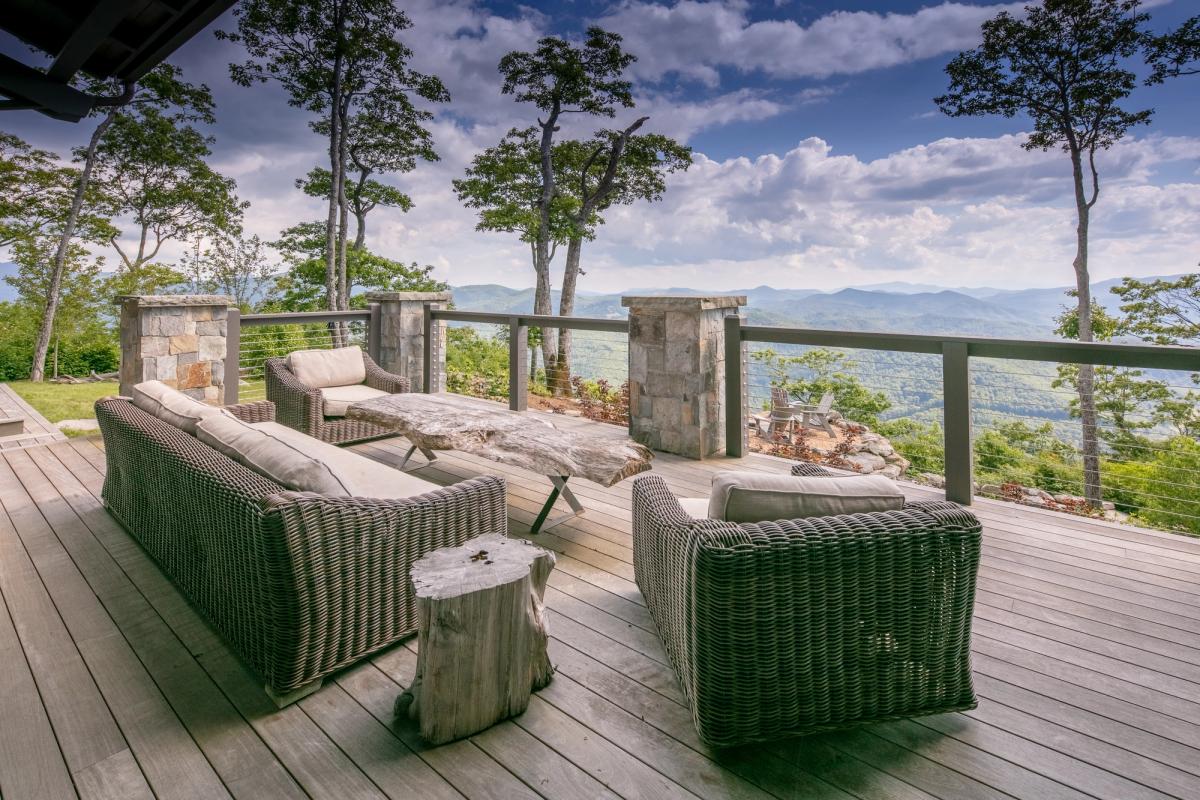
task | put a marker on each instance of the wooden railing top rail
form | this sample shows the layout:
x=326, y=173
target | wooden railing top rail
x=1102, y=353
x=533, y=320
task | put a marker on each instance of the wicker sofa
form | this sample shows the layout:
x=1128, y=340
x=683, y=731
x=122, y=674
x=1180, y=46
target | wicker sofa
x=799, y=626
x=299, y=584
x=303, y=408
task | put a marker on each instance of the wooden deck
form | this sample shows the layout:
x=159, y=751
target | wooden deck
x=37, y=429
x=1086, y=652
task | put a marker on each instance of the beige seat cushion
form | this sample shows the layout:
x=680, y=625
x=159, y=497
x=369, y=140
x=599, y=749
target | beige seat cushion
x=357, y=474
x=696, y=507
x=172, y=406
x=759, y=497
x=318, y=369
x=339, y=398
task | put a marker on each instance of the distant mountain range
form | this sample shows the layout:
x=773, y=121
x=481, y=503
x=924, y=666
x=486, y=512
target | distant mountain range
x=893, y=307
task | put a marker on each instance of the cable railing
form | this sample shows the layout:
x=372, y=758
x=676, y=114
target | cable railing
x=997, y=417
x=975, y=416
x=597, y=355
x=253, y=338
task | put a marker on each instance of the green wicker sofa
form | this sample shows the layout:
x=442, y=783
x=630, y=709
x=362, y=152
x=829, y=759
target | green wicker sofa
x=302, y=407
x=299, y=584
x=798, y=626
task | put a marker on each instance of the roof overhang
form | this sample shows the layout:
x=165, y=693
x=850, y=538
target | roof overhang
x=108, y=39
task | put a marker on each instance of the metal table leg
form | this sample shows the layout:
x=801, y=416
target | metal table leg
x=429, y=456
x=560, y=488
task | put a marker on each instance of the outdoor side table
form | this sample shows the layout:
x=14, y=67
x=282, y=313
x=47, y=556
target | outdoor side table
x=481, y=647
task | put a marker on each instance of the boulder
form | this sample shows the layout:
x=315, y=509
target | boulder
x=866, y=463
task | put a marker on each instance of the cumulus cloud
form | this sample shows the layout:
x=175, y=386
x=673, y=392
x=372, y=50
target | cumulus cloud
x=696, y=39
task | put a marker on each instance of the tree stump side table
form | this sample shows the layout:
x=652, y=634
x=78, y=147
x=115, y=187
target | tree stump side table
x=481, y=647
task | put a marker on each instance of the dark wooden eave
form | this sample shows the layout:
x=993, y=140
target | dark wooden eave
x=119, y=40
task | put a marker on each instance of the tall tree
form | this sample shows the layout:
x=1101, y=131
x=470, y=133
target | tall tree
x=562, y=78
x=335, y=58
x=161, y=88
x=1064, y=66
x=1175, y=53
x=153, y=166
x=613, y=168
x=233, y=265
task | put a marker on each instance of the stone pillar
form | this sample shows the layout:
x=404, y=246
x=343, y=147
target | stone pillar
x=402, y=336
x=677, y=372
x=177, y=339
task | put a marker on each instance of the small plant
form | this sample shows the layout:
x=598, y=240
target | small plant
x=599, y=401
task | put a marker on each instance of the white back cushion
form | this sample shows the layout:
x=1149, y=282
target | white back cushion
x=172, y=406
x=318, y=369
x=760, y=497
x=284, y=462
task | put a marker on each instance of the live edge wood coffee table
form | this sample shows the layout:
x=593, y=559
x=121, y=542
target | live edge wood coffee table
x=443, y=421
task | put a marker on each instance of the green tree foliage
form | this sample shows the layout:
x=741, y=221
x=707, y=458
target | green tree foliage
x=808, y=376
x=1164, y=489
x=341, y=60
x=476, y=365
x=1064, y=65
x=1161, y=311
x=153, y=166
x=301, y=286
x=1175, y=53
x=922, y=444
x=232, y=265
x=364, y=196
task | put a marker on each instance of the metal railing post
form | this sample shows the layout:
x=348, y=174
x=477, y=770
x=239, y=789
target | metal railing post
x=374, y=331
x=518, y=365
x=232, y=375
x=735, y=423
x=428, y=348
x=956, y=392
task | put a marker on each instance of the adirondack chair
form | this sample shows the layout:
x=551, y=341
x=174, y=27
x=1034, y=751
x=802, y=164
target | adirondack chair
x=780, y=418
x=810, y=416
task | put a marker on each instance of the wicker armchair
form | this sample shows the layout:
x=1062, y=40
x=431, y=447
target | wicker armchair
x=798, y=626
x=301, y=407
x=299, y=584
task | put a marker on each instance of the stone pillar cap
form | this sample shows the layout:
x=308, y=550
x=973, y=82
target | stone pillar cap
x=154, y=300
x=395, y=297
x=684, y=302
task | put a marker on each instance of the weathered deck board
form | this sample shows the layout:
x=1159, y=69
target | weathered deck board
x=37, y=429
x=1087, y=655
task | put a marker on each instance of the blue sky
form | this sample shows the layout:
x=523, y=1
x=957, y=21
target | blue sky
x=821, y=159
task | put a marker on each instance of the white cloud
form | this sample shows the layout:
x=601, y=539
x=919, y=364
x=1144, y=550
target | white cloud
x=695, y=39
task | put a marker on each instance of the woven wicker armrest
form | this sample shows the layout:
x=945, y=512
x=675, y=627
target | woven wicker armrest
x=257, y=411
x=296, y=405
x=359, y=550
x=378, y=378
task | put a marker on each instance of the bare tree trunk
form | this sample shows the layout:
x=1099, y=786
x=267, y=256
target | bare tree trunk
x=1086, y=385
x=566, y=308
x=360, y=230
x=335, y=164
x=37, y=372
x=541, y=252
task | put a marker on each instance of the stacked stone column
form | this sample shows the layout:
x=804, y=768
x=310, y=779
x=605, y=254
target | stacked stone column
x=402, y=336
x=177, y=339
x=677, y=372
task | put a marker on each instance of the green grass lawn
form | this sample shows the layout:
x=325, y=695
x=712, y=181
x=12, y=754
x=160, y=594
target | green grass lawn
x=59, y=401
